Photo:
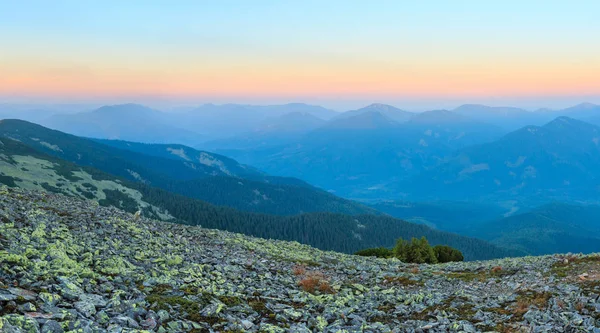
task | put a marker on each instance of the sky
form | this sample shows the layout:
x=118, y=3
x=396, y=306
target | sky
x=341, y=54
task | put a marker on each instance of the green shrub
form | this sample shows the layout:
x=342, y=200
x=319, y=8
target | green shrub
x=379, y=252
x=416, y=251
x=445, y=253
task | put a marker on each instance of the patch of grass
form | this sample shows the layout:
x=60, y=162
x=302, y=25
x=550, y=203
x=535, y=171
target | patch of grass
x=56, y=211
x=402, y=281
x=463, y=310
x=161, y=288
x=481, y=276
x=573, y=266
x=230, y=300
x=529, y=298
x=259, y=306
x=590, y=286
x=190, y=309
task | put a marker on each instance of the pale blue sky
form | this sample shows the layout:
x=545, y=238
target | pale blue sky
x=371, y=49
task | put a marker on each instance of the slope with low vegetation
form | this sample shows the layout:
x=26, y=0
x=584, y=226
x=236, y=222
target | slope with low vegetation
x=67, y=265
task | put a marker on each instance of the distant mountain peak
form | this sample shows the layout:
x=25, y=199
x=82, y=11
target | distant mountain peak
x=470, y=106
x=128, y=107
x=380, y=106
x=478, y=109
x=586, y=106
x=371, y=119
x=438, y=117
x=563, y=121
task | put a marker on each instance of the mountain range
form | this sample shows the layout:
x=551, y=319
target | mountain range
x=25, y=167
x=557, y=161
x=463, y=171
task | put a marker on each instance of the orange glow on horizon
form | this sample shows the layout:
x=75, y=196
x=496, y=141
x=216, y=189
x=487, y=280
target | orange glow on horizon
x=411, y=78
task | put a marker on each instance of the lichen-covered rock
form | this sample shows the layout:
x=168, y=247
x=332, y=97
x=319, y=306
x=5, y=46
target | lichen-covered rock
x=68, y=265
x=52, y=326
x=21, y=323
x=85, y=308
x=49, y=299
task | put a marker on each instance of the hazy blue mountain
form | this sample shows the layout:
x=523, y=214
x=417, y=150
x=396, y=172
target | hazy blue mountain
x=292, y=122
x=512, y=118
x=359, y=155
x=552, y=228
x=478, y=110
x=187, y=154
x=39, y=112
x=454, y=216
x=227, y=120
x=451, y=129
x=583, y=111
x=131, y=122
x=509, y=118
x=276, y=131
x=369, y=120
x=393, y=113
x=209, y=177
x=594, y=120
x=559, y=160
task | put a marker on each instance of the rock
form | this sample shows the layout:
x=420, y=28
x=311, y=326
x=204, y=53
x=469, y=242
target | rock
x=174, y=326
x=122, y=272
x=212, y=309
x=114, y=329
x=23, y=293
x=50, y=299
x=102, y=317
x=163, y=316
x=52, y=326
x=85, y=308
x=247, y=324
x=27, y=307
x=96, y=300
x=25, y=324
x=69, y=290
x=292, y=314
x=125, y=321
x=7, y=297
x=148, y=324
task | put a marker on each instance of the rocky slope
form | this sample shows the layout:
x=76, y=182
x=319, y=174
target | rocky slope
x=68, y=265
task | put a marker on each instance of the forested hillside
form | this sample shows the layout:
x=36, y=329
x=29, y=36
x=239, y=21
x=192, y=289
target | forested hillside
x=22, y=166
